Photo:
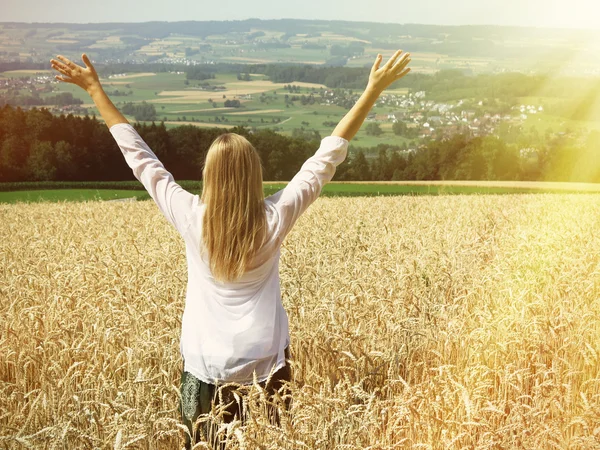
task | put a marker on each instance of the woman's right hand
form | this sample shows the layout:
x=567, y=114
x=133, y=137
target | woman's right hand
x=381, y=78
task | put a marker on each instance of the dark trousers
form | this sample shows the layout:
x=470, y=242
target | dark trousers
x=198, y=398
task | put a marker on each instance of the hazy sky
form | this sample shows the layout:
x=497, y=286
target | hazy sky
x=539, y=13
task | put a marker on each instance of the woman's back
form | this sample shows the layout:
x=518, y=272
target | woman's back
x=231, y=330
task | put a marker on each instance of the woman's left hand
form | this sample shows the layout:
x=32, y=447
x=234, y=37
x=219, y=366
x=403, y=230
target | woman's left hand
x=84, y=77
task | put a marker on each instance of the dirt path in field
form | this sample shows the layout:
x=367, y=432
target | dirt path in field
x=133, y=75
x=260, y=111
x=204, y=124
x=9, y=72
x=220, y=125
x=202, y=110
x=234, y=89
x=107, y=82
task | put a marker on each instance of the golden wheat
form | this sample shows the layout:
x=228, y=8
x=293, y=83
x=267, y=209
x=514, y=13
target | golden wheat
x=416, y=322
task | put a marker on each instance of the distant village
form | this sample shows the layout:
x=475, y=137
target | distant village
x=37, y=85
x=442, y=120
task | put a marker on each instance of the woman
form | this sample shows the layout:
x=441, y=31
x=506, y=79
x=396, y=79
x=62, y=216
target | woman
x=234, y=327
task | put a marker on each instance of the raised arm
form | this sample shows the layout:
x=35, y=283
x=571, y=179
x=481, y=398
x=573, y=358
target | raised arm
x=379, y=80
x=320, y=168
x=173, y=201
x=306, y=186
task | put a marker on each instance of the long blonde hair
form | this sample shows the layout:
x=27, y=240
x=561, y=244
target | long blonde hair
x=234, y=223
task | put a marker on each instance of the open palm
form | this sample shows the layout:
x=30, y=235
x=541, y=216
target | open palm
x=394, y=69
x=84, y=77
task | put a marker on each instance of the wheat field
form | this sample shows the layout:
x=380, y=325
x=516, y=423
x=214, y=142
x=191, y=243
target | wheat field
x=450, y=322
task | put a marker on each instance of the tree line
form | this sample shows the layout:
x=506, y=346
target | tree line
x=140, y=111
x=561, y=158
x=15, y=98
x=38, y=146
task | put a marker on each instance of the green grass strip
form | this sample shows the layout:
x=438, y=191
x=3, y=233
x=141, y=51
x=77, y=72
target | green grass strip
x=330, y=190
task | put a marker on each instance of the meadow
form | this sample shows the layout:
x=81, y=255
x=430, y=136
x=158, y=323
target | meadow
x=263, y=105
x=29, y=192
x=424, y=322
x=70, y=195
x=182, y=104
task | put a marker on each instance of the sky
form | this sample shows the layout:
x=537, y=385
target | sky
x=535, y=13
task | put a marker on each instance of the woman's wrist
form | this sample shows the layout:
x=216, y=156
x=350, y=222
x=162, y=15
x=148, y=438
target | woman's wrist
x=94, y=89
x=373, y=91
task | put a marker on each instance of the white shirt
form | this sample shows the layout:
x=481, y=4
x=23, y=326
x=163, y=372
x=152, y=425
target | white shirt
x=232, y=330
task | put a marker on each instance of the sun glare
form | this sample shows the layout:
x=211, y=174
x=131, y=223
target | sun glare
x=579, y=14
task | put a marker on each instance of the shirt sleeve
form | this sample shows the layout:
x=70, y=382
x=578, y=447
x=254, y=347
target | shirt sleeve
x=173, y=201
x=307, y=184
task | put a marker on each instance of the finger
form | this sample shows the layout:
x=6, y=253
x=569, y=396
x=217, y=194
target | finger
x=404, y=72
x=87, y=61
x=67, y=62
x=403, y=61
x=376, y=64
x=66, y=80
x=62, y=69
x=56, y=64
x=392, y=60
x=401, y=65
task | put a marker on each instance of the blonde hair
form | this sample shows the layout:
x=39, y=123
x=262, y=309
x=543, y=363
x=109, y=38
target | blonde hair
x=234, y=223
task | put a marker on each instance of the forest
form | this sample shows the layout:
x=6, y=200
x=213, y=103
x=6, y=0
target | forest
x=36, y=145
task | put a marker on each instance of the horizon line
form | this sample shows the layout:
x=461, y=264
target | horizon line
x=537, y=27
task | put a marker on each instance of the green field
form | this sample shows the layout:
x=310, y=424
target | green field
x=182, y=108
x=330, y=190
x=178, y=103
x=69, y=195
x=270, y=113
x=547, y=122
